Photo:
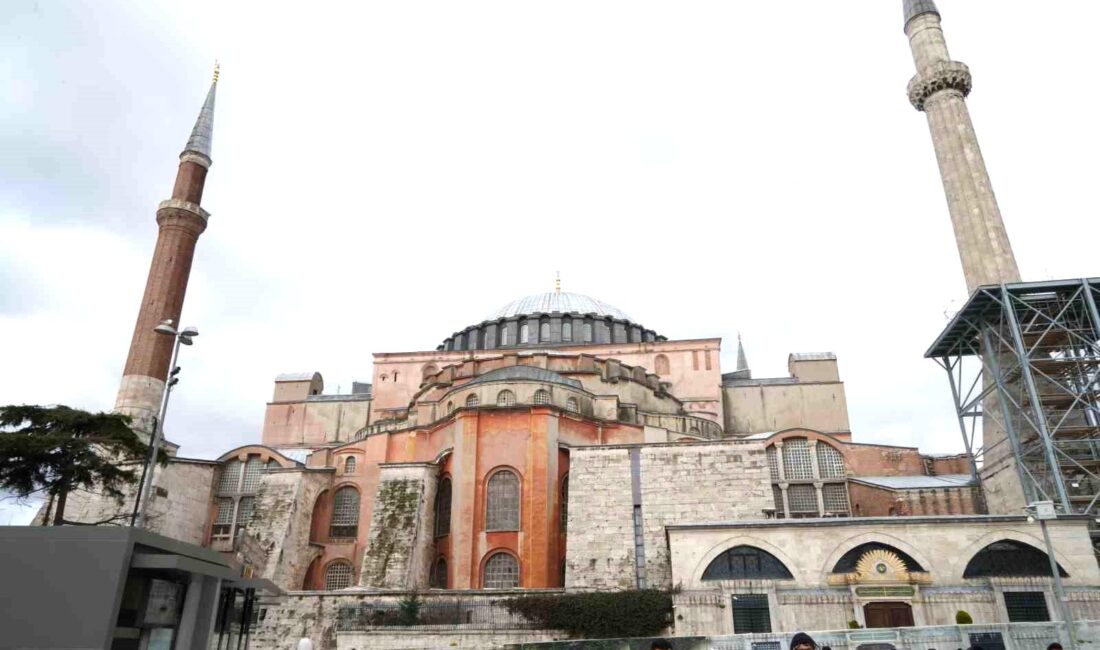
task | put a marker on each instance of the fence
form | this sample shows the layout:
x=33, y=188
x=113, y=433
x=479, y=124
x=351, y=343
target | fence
x=459, y=613
x=1010, y=636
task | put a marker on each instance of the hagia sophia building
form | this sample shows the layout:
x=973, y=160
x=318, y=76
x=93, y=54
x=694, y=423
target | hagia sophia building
x=557, y=443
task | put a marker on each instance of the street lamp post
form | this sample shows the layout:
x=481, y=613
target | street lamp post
x=184, y=337
x=1044, y=511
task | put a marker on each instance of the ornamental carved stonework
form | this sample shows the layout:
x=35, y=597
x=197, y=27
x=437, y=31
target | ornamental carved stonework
x=946, y=75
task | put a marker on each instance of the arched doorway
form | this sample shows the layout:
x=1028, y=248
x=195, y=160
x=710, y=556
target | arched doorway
x=888, y=613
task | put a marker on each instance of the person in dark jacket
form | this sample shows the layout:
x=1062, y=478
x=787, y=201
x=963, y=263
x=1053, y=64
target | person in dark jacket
x=803, y=641
x=660, y=644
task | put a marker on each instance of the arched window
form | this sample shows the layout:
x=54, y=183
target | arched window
x=443, y=508
x=588, y=332
x=506, y=398
x=503, y=334
x=349, y=465
x=472, y=401
x=572, y=406
x=564, y=525
x=345, y=513
x=231, y=477
x=542, y=396
x=847, y=562
x=524, y=331
x=501, y=572
x=502, y=501
x=796, y=459
x=544, y=332
x=660, y=365
x=253, y=470
x=439, y=574
x=428, y=370
x=1009, y=558
x=459, y=342
x=773, y=462
x=450, y=407
x=567, y=331
x=338, y=575
x=830, y=463
x=746, y=563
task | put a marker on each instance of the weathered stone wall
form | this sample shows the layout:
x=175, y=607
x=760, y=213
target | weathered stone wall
x=398, y=554
x=678, y=483
x=600, y=545
x=414, y=639
x=281, y=522
x=179, y=507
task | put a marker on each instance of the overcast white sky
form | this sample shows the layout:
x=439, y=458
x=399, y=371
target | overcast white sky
x=388, y=172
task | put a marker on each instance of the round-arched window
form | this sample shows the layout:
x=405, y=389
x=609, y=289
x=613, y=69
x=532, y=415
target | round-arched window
x=524, y=333
x=572, y=406
x=439, y=574
x=660, y=365
x=472, y=401
x=506, y=398
x=338, y=575
x=349, y=465
x=542, y=396
x=345, y=513
x=502, y=501
x=501, y=572
x=830, y=463
x=746, y=563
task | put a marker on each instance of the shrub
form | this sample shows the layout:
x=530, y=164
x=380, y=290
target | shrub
x=598, y=615
x=853, y=624
x=408, y=609
x=962, y=617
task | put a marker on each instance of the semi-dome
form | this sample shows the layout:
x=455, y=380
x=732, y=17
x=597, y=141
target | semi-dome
x=525, y=373
x=561, y=302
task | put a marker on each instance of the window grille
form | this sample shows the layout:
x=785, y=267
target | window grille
x=588, y=332
x=439, y=574
x=443, y=508
x=349, y=465
x=835, y=496
x=572, y=406
x=244, y=514
x=1009, y=558
x=253, y=469
x=802, y=499
x=751, y=614
x=830, y=463
x=777, y=496
x=773, y=462
x=231, y=477
x=567, y=331
x=501, y=572
x=746, y=563
x=503, y=334
x=338, y=576
x=223, y=521
x=564, y=524
x=506, y=398
x=502, y=502
x=524, y=332
x=542, y=397
x=1026, y=607
x=796, y=459
x=544, y=332
x=345, y=513
x=472, y=401
x=273, y=464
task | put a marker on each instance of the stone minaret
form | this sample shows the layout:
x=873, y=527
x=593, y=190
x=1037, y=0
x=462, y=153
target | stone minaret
x=939, y=89
x=181, y=221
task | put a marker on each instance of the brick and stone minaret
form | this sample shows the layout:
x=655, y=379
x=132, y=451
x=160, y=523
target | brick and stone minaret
x=939, y=89
x=181, y=220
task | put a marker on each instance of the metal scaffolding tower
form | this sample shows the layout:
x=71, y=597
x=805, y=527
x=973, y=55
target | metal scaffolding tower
x=1023, y=362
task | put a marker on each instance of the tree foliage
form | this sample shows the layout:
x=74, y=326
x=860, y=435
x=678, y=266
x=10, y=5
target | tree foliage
x=598, y=615
x=962, y=617
x=57, y=449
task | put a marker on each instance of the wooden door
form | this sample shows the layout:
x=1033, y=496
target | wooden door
x=888, y=614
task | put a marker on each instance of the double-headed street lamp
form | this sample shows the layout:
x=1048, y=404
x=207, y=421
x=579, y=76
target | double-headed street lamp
x=183, y=337
x=1044, y=511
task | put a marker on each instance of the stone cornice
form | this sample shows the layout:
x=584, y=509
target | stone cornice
x=197, y=158
x=945, y=75
x=187, y=206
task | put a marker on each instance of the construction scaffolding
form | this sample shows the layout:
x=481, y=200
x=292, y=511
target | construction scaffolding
x=1023, y=361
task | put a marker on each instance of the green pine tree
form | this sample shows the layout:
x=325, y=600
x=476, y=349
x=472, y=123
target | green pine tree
x=56, y=449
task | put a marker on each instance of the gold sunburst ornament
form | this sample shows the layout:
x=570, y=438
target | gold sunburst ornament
x=881, y=564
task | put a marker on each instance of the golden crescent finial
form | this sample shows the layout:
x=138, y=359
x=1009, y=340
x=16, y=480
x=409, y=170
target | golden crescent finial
x=557, y=282
x=217, y=70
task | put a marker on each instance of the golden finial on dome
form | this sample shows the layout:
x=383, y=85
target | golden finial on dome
x=557, y=282
x=217, y=69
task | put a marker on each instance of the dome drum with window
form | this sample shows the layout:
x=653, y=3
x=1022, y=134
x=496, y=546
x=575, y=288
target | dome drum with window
x=558, y=318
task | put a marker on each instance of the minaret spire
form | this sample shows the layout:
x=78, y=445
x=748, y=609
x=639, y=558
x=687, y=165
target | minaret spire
x=742, y=362
x=939, y=89
x=181, y=221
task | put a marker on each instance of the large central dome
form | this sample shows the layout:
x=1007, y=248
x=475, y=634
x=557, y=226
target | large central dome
x=561, y=302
